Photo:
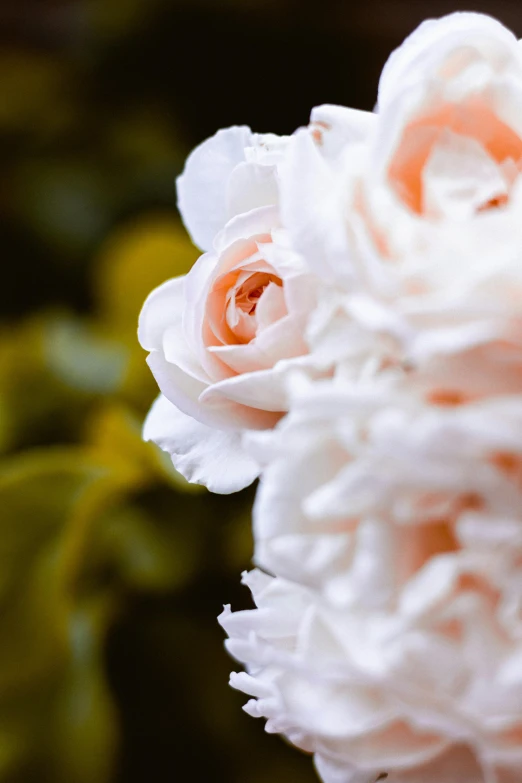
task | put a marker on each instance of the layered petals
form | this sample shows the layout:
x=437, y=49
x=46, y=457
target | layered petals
x=224, y=339
x=229, y=174
x=353, y=335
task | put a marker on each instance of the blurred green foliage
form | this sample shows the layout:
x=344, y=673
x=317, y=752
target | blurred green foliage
x=112, y=568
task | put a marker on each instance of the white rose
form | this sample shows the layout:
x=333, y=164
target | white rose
x=449, y=141
x=424, y=688
x=223, y=338
x=416, y=219
x=351, y=454
x=444, y=144
x=443, y=199
x=395, y=523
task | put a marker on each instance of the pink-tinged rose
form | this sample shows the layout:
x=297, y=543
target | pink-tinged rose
x=444, y=145
x=223, y=338
x=222, y=341
x=442, y=198
x=428, y=694
x=449, y=139
x=390, y=640
x=413, y=216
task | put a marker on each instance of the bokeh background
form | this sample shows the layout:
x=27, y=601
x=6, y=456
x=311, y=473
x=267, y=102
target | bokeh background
x=112, y=568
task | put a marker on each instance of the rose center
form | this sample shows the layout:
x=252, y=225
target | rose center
x=243, y=301
x=247, y=300
x=248, y=294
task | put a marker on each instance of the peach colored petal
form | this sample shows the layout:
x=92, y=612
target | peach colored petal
x=271, y=306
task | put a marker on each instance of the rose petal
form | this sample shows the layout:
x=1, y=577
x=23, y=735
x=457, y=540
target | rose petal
x=337, y=126
x=256, y=223
x=203, y=186
x=264, y=390
x=177, y=351
x=184, y=392
x=203, y=455
x=271, y=306
x=162, y=309
x=251, y=185
x=434, y=39
x=313, y=200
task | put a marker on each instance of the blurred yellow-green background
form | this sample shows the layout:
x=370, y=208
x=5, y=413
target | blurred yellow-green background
x=112, y=568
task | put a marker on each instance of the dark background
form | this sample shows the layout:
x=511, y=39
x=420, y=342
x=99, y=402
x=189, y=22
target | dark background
x=112, y=666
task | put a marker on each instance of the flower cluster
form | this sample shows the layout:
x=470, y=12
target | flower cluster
x=353, y=336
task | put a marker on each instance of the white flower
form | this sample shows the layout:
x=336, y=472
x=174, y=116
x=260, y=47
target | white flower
x=367, y=473
x=425, y=687
x=391, y=639
x=223, y=338
x=415, y=218
x=354, y=331
x=443, y=198
x=444, y=145
x=449, y=142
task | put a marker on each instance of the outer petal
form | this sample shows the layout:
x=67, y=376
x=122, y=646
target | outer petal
x=203, y=186
x=264, y=390
x=458, y=765
x=162, y=309
x=336, y=126
x=258, y=222
x=433, y=39
x=251, y=185
x=202, y=455
x=313, y=204
x=184, y=392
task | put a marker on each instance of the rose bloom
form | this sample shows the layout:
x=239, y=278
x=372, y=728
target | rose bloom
x=415, y=216
x=429, y=694
x=444, y=145
x=443, y=194
x=359, y=471
x=223, y=338
x=449, y=139
x=391, y=639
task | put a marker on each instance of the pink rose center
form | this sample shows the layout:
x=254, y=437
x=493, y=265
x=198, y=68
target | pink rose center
x=243, y=299
x=247, y=296
x=243, y=302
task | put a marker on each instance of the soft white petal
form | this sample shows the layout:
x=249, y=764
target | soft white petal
x=264, y=390
x=184, y=391
x=434, y=39
x=313, y=204
x=460, y=177
x=457, y=765
x=203, y=455
x=337, y=126
x=271, y=307
x=331, y=771
x=163, y=308
x=198, y=284
x=257, y=222
x=177, y=351
x=203, y=186
x=251, y=185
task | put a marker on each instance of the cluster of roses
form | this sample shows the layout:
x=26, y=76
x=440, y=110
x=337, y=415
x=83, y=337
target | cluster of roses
x=353, y=335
